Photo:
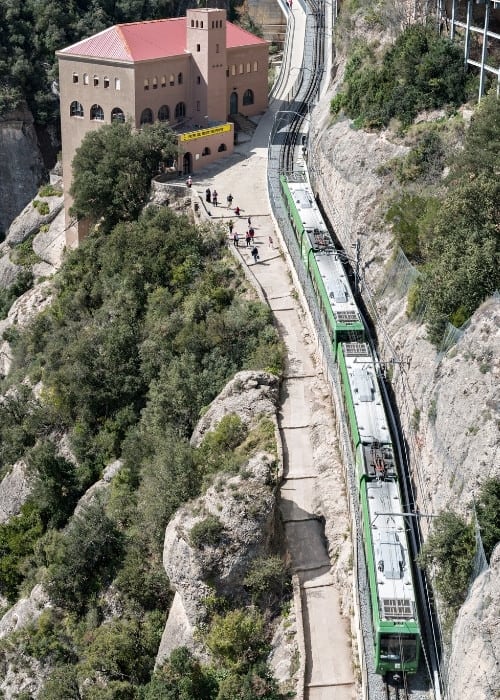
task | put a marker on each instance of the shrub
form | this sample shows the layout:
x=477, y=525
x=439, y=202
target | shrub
x=238, y=639
x=8, y=296
x=42, y=207
x=50, y=190
x=420, y=71
x=448, y=552
x=268, y=580
x=207, y=532
x=488, y=514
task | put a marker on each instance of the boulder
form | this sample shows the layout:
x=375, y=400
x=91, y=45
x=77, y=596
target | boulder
x=15, y=488
x=29, y=220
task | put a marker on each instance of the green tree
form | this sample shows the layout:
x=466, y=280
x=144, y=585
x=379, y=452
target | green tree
x=55, y=490
x=17, y=542
x=449, y=552
x=488, y=514
x=268, y=580
x=238, y=639
x=61, y=683
x=181, y=678
x=84, y=558
x=113, y=168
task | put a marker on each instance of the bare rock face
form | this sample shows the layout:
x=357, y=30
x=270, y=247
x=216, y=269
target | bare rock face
x=474, y=667
x=30, y=220
x=448, y=403
x=245, y=506
x=14, y=490
x=20, y=673
x=22, y=165
x=9, y=271
x=102, y=485
x=248, y=395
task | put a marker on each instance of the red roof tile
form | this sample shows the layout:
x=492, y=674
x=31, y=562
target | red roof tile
x=146, y=41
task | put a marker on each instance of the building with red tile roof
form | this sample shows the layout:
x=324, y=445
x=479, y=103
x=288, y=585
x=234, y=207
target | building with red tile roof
x=194, y=72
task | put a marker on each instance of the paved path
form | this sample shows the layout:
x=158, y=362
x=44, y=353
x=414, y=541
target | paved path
x=329, y=672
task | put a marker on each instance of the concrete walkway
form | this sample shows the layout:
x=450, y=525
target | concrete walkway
x=328, y=667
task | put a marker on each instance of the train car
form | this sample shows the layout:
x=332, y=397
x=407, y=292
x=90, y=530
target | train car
x=392, y=592
x=322, y=262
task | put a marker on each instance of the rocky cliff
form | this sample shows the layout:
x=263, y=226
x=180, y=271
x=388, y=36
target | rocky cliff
x=22, y=165
x=448, y=403
x=245, y=505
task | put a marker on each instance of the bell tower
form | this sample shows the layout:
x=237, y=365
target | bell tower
x=206, y=42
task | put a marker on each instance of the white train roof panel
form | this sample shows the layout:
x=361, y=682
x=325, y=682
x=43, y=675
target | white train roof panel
x=337, y=287
x=367, y=400
x=391, y=553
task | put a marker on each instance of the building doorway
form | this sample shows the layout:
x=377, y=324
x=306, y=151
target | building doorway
x=233, y=103
x=187, y=164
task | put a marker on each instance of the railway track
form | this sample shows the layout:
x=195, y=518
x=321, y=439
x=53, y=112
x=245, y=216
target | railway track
x=288, y=137
x=397, y=689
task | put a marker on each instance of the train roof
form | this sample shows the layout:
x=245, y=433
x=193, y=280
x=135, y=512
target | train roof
x=338, y=288
x=395, y=589
x=310, y=215
x=366, y=397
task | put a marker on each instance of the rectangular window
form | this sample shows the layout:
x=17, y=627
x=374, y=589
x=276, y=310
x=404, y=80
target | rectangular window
x=164, y=81
x=106, y=82
x=198, y=48
x=240, y=70
x=198, y=80
x=248, y=68
x=85, y=78
x=233, y=69
x=117, y=84
x=146, y=84
x=255, y=66
x=75, y=77
x=96, y=81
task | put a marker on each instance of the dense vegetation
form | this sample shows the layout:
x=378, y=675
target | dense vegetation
x=450, y=231
x=113, y=170
x=148, y=322
x=420, y=71
x=448, y=552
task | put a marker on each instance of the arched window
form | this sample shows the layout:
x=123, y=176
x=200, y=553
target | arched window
x=248, y=97
x=85, y=78
x=75, y=77
x=180, y=110
x=117, y=84
x=171, y=80
x=255, y=66
x=240, y=69
x=206, y=151
x=155, y=83
x=146, y=116
x=163, y=80
x=117, y=115
x=96, y=81
x=222, y=148
x=233, y=69
x=106, y=81
x=146, y=83
x=179, y=79
x=97, y=113
x=249, y=68
x=76, y=109
x=163, y=113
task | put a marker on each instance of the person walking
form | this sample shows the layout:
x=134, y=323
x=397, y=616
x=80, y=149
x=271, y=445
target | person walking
x=249, y=221
x=189, y=181
x=229, y=200
x=251, y=233
x=237, y=211
x=230, y=225
x=208, y=195
x=236, y=239
x=214, y=198
x=271, y=242
x=255, y=254
x=248, y=239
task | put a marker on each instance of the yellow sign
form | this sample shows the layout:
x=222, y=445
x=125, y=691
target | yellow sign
x=201, y=133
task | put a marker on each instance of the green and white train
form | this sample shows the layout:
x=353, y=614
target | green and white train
x=393, y=603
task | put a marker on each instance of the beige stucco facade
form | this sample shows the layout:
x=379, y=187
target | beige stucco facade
x=195, y=92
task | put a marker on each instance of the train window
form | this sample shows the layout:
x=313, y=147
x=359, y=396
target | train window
x=400, y=648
